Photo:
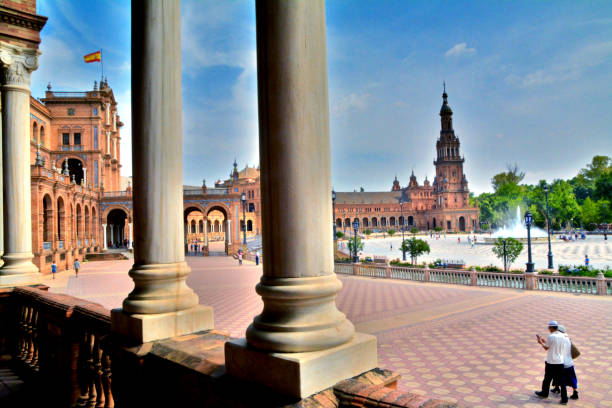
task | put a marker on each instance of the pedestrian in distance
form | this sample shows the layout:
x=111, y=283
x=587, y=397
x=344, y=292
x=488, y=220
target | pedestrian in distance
x=257, y=258
x=77, y=266
x=568, y=368
x=239, y=257
x=53, y=269
x=556, y=346
x=586, y=260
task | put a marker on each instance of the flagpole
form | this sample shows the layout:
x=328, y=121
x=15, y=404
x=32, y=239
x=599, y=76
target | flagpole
x=102, y=63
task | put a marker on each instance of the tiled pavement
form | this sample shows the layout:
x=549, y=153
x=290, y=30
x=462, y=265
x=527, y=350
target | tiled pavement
x=473, y=345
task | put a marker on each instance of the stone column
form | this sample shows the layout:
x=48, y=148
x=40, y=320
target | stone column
x=108, y=143
x=107, y=113
x=161, y=304
x=104, y=236
x=300, y=336
x=206, y=232
x=17, y=63
x=228, y=232
x=112, y=234
x=131, y=236
x=84, y=182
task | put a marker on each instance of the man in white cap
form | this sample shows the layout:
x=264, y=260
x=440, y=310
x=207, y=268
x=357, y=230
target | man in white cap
x=556, y=346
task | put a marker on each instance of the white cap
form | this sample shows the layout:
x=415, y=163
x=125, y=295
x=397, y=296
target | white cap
x=553, y=323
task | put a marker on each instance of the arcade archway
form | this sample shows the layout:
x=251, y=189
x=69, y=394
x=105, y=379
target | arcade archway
x=195, y=237
x=75, y=168
x=116, y=236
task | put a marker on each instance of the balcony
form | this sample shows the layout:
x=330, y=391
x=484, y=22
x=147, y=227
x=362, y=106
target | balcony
x=47, y=245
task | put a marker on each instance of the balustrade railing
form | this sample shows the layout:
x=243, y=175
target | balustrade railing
x=414, y=274
x=450, y=276
x=47, y=245
x=56, y=340
x=60, y=244
x=554, y=283
x=501, y=280
x=570, y=284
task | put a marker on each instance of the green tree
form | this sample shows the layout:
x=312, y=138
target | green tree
x=590, y=214
x=512, y=251
x=367, y=232
x=599, y=166
x=512, y=176
x=603, y=186
x=391, y=232
x=415, y=247
x=351, y=244
x=413, y=231
x=339, y=234
x=563, y=204
x=438, y=229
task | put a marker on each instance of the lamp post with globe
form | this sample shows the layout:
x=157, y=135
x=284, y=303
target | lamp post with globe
x=355, y=228
x=550, y=255
x=403, y=227
x=528, y=221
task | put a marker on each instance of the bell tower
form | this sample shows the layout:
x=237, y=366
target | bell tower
x=450, y=183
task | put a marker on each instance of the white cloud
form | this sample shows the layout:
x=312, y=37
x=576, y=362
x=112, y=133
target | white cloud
x=460, y=49
x=351, y=102
x=569, y=66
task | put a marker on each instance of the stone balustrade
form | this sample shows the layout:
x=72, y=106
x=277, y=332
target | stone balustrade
x=554, y=283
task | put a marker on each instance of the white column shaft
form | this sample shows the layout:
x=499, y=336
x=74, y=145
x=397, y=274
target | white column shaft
x=131, y=236
x=104, y=236
x=17, y=213
x=228, y=232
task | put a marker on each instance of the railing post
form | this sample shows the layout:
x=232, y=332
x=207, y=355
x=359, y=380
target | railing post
x=387, y=270
x=355, y=269
x=473, y=277
x=426, y=277
x=602, y=287
x=531, y=280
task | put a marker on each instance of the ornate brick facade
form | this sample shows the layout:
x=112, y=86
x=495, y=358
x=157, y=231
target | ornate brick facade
x=443, y=203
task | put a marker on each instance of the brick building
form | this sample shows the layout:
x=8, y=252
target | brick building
x=443, y=203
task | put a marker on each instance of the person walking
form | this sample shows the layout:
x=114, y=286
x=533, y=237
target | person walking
x=77, y=266
x=556, y=346
x=257, y=258
x=586, y=260
x=53, y=269
x=240, y=257
x=568, y=370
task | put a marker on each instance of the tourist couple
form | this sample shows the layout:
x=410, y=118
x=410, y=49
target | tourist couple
x=559, y=362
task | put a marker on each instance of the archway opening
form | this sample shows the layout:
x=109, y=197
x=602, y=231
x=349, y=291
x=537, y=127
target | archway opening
x=219, y=234
x=61, y=220
x=116, y=232
x=75, y=168
x=194, y=236
x=47, y=221
x=461, y=224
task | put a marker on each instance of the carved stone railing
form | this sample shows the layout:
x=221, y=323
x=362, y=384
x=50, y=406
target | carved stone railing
x=56, y=346
x=553, y=283
x=570, y=284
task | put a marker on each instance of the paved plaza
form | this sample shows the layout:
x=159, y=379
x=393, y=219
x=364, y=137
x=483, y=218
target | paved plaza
x=471, y=345
x=564, y=253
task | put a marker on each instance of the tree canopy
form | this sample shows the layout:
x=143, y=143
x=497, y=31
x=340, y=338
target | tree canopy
x=583, y=200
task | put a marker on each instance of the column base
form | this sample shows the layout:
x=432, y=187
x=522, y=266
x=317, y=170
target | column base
x=20, y=279
x=143, y=328
x=301, y=374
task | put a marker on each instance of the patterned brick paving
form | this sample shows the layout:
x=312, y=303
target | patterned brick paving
x=471, y=345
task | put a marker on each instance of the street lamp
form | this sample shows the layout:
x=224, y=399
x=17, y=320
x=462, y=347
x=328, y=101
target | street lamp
x=505, y=256
x=528, y=221
x=243, y=199
x=355, y=228
x=550, y=255
x=403, y=227
x=334, y=213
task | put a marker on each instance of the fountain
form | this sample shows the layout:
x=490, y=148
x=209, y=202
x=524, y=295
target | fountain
x=518, y=231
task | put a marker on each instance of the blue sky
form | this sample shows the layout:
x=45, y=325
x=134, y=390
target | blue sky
x=529, y=83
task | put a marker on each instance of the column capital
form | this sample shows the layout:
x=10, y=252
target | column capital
x=17, y=63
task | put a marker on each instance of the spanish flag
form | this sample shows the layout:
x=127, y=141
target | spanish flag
x=93, y=57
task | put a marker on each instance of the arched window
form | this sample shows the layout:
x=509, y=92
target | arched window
x=383, y=222
x=392, y=221
x=35, y=132
x=61, y=219
x=79, y=220
x=338, y=222
x=86, y=222
x=201, y=226
x=42, y=136
x=249, y=225
x=193, y=227
x=365, y=222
